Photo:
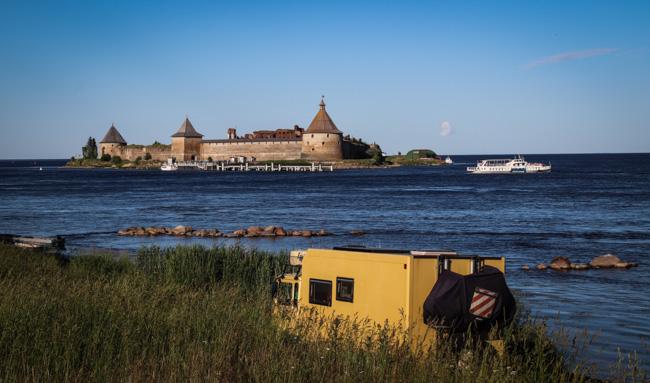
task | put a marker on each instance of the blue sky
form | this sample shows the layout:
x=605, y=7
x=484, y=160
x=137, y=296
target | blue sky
x=456, y=77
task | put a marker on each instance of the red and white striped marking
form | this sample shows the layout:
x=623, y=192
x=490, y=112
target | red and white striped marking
x=483, y=303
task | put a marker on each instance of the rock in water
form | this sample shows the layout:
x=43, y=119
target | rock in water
x=604, y=261
x=179, y=230
x=560, y=263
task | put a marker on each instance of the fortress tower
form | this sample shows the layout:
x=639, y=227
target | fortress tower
x=322, y=140
x=186, y=143
x=112, y=143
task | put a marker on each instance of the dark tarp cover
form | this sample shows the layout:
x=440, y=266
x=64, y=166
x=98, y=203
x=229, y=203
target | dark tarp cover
x=483, y=298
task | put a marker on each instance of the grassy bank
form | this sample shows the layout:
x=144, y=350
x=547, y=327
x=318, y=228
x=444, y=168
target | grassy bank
x=121, y=164
x=401, y=160
x=203, y=314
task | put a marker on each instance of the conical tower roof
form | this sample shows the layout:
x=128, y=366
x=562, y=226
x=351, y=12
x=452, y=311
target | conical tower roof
x=187, y=130
x=113, y=137
x=322, y=123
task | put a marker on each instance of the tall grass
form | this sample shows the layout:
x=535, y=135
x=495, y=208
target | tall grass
x=203, y=314
x=197, y=265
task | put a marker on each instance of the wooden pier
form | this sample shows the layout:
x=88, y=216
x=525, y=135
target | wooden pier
x=247, y=167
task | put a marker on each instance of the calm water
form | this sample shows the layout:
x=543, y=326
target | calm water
x=589, y=205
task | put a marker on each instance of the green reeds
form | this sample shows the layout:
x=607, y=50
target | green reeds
x=204, y=314
x=198, y=265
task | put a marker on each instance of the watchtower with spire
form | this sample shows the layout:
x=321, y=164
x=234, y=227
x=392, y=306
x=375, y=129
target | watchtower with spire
x=322, y=140
x=186, y=143
x=112, y=143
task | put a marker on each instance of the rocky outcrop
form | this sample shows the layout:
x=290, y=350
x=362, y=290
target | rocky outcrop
x=604, y=261
x=562, y=263
x=271, y=231
x=177, y=231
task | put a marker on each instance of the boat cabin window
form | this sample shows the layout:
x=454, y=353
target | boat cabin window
x=344, y=289
x=320, y=292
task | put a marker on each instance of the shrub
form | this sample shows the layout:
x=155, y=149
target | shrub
x=376, y=156
x=116, y=160
x=147, y=156
x=106, y=157
x=209, y=159
x=137, y=160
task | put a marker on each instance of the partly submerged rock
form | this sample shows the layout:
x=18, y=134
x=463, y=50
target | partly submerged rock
x=604, y=261
x=240, y=233
x=560, y=263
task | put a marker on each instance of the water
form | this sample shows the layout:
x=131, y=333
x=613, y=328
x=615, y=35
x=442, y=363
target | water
x=589, y=205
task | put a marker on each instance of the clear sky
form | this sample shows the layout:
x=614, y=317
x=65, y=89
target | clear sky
x=458, y=77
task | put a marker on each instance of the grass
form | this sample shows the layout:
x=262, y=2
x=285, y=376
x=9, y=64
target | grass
x=401, y=161
x=203, y=314
x=124, y=164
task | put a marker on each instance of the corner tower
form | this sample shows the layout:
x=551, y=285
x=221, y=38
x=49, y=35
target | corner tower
x=186, y=143
x=322, y=140
x=112, y=143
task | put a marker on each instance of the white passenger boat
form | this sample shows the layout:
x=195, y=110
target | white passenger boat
x=449, y=161
x=169, y=165
x=508, y=165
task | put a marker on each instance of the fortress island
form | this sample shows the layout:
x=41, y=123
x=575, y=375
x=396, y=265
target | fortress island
x=322, y=141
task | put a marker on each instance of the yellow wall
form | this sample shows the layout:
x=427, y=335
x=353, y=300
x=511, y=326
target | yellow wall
x=380, y=282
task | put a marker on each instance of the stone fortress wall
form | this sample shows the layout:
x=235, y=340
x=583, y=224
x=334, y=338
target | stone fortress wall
x=259, y=149
x=322, y=141
x=158, y=153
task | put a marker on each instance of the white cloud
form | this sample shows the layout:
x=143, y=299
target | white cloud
x=570, y=56
x=445, y=129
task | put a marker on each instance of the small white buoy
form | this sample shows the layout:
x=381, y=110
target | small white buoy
x=40, y=169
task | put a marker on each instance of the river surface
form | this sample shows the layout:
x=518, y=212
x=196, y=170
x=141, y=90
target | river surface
x=589, y=205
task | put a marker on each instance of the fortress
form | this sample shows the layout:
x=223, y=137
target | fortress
x=322, y=141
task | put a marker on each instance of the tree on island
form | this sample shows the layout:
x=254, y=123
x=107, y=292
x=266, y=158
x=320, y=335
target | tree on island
x=376, y=156
x=90, y=150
